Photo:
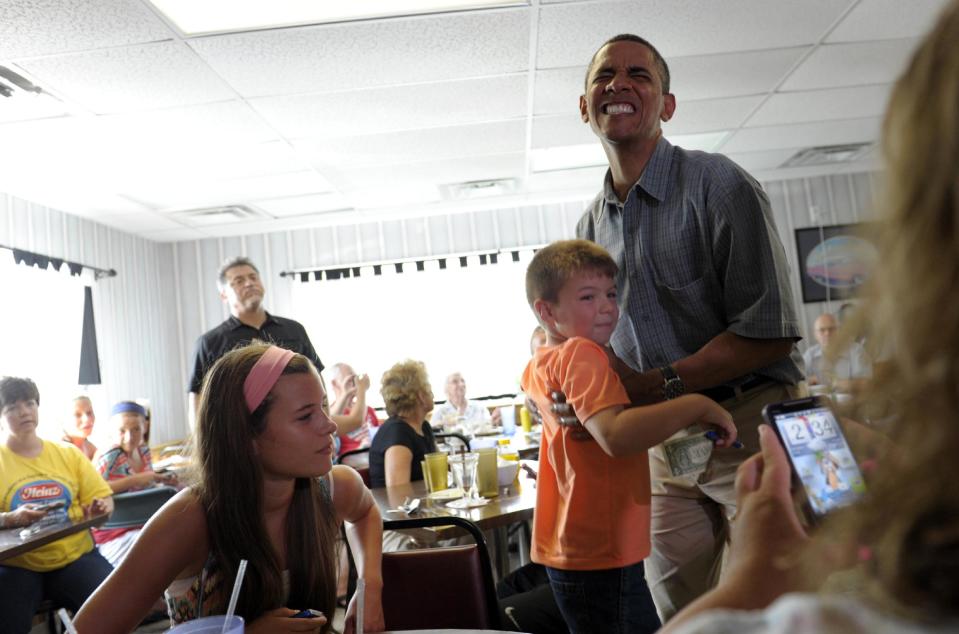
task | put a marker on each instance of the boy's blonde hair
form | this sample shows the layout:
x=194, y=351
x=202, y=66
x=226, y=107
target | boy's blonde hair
x=553, y=265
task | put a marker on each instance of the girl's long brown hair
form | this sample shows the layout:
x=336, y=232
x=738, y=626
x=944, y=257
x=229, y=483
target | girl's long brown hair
x=910, y=519
x=230, y=490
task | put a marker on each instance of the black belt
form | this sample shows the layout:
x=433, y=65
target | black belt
x=724, y=392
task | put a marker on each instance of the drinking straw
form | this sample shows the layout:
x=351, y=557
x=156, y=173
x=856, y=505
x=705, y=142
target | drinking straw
x=236, y=594
x=360, y=604
x=67, y=621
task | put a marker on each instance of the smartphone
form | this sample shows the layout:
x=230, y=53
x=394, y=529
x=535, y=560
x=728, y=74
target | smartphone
x=306, y=614
x=49, y=506
x=823, y=466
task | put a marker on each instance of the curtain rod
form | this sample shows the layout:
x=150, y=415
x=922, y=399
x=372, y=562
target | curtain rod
x=336, y=271
x=31, y=259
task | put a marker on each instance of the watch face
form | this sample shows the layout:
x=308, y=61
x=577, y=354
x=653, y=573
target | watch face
x=673, y=388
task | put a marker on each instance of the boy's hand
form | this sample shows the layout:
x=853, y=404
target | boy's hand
x=566, y=417
x=717, y=417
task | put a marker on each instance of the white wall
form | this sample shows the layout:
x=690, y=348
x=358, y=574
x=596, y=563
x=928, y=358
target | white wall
x=137, y=337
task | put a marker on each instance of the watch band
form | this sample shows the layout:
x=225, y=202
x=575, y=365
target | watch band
x=673, y=386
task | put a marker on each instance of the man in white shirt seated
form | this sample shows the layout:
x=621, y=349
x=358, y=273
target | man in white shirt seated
x=469, y=416
x=850, y=368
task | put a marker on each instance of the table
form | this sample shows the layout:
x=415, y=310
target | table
x=11, y=545
x=514, y=504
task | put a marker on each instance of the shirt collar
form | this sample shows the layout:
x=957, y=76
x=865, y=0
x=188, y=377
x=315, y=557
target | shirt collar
x=236, y=323
x=655, y=177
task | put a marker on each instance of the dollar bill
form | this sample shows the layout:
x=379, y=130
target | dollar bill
x=687, y=455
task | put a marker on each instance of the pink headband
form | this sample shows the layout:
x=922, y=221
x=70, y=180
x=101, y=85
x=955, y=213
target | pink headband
x=264, y=375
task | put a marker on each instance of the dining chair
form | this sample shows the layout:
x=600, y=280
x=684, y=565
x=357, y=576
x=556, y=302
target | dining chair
x=447, y=436
x=359, y=459
x=448, y=587
x=135, y=508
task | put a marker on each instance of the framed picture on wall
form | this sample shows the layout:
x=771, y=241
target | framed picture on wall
x=834, y=261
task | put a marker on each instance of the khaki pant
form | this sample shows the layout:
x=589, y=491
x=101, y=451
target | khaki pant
x=691, y=513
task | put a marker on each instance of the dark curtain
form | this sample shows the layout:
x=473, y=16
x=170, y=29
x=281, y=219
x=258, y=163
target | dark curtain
x=89, y=357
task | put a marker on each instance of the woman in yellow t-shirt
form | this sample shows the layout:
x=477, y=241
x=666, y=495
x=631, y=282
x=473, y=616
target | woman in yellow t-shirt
x=34, y=474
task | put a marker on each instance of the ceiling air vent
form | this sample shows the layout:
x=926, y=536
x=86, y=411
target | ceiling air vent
x=229, y=214
x=828, y=155
x=479, y=189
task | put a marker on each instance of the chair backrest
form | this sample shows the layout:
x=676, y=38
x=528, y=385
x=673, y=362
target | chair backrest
x=433, y=588
x=134, y=508
x=454, y=440
x=359, y=459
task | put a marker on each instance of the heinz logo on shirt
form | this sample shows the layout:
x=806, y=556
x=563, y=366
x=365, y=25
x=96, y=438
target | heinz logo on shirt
x=44, y=492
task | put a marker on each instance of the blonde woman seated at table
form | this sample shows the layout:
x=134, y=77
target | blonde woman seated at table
x=268, y=493
x=81, y=426
x=33, y=471
x=460, y=414
x=902, y=541
x=126, y=467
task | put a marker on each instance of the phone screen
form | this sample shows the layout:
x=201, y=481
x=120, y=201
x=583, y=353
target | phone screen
x=821, y=458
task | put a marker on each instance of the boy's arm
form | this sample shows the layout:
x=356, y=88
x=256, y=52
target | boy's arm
x=622, y=432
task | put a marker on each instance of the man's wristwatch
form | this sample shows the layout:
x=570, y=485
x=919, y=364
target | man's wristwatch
x=673, y=386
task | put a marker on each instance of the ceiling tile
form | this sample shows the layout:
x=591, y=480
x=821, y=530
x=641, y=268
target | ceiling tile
x=46, y=27
x=176, y=235
x=302, y=205
x=560, y=130
x=367, y=54
x=24, y=106
x=138, y=223
x=569, y=34
x=822, y=105
x=693, y=78
x=415, y=145
x=232, y=123
x=190, y=194
x=391, y=109
x=764, y=160
x=144, y=77
x=353, y=182
x=706, y=115
x=887, y=19
x=802, y=135
x=863, y=63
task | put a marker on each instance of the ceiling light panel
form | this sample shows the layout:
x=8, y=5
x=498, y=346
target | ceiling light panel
x=219, y=16
x=340, y=57
x=569, y=33
x=391, y=109
x=29, y=28
x=803, y=135
x=856, y=64
x=887, y=19
x=416, y=145
x=144, y=77
x=822, y=105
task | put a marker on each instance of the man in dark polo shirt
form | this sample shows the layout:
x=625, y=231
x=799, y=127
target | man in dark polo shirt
x=242, y=290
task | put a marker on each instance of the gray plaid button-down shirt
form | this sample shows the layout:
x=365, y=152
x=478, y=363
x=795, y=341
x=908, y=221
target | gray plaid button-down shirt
x=698, y=254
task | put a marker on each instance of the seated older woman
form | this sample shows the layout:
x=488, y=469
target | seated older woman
x=34, y=472
x=126, y=467
x=405, y=438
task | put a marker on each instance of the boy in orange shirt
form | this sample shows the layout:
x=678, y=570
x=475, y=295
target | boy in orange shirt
x=591, y=526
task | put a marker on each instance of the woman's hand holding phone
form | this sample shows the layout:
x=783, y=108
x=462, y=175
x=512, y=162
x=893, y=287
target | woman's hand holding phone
x=768, y=540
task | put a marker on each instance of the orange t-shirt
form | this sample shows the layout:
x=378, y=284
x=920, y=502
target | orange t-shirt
x=592, y=510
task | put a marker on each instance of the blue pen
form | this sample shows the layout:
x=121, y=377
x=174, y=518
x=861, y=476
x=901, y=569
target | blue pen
x=714, y=436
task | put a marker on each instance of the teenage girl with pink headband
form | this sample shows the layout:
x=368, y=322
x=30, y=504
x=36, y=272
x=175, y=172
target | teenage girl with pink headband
x=267, y=493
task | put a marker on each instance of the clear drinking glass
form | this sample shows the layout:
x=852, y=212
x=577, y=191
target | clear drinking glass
x=464, y=472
